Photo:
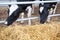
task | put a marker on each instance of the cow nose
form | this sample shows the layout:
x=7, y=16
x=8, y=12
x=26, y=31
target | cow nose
x=6, y=22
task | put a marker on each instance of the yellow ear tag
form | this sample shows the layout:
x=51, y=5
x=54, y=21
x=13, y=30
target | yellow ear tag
x=51, y=8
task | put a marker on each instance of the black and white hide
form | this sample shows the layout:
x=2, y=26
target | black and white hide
x=44, y=10
x=15, y=10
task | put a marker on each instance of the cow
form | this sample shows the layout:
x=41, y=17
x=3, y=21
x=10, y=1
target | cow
x=44, y=10
x=16, y=9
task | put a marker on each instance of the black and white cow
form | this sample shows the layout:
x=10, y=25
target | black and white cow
x=44, y=10
x=16, y=9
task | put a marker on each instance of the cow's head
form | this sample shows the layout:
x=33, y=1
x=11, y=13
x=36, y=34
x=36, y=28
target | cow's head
x=44, y=13
x=13, y=14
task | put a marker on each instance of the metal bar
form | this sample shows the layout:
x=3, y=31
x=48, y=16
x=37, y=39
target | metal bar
x=28, y=18
x=54, y=15
x=30, y=2
x=2, y=21
x=23, y=19
x=32, y=18
x=49, y=17
x=27, y=2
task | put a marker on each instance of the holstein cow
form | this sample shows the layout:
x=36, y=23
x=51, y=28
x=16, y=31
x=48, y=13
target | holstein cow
x=15, y=10
x=44, y=10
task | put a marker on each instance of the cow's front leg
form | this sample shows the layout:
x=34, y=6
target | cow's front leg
x=22, y=16
x=29, y=9
x=51, y=11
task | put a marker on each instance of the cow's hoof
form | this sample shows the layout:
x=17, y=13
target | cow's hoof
x=48, y=21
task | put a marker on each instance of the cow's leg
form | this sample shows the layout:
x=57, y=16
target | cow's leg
x=32, y=8
x=13, y=14
x=52, y=10
x=55, y=7
x=44, y=13
x=22, y=16
x=29, y=9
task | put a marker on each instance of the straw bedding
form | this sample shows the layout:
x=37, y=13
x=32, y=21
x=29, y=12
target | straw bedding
x=49, y=31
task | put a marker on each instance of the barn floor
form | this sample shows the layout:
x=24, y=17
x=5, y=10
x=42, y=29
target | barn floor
x=50, y=31
x=37, y=31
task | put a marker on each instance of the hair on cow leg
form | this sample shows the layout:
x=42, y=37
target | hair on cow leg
x=29, y=9
x=22, y=16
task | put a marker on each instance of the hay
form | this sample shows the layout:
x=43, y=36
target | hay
x=49, y=31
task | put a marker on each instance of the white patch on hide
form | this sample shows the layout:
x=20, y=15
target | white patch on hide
x=41, y=9
x=12, y=9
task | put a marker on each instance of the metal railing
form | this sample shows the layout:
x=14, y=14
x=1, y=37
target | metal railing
x=29, y=2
